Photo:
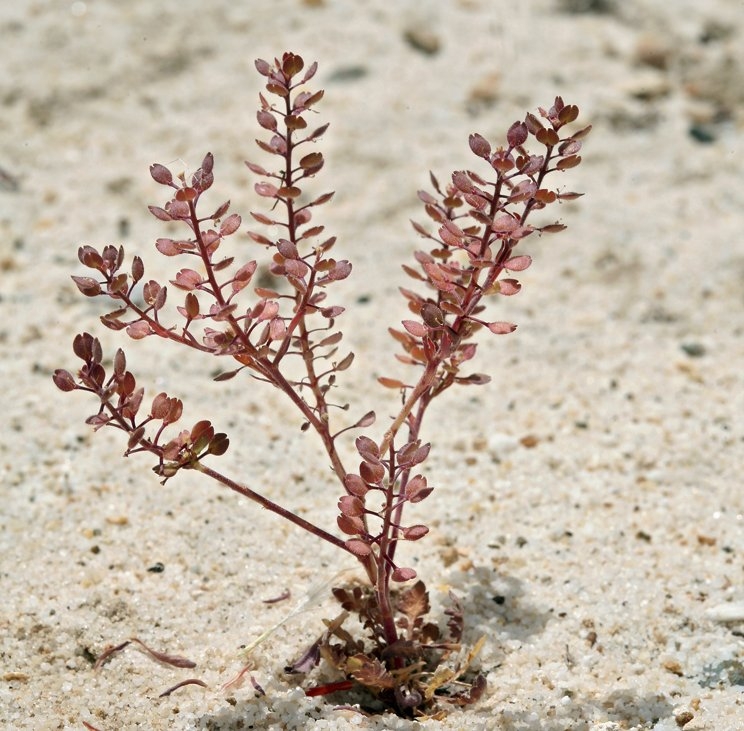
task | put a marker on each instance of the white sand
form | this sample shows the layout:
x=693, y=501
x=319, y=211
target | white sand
x=604, y=564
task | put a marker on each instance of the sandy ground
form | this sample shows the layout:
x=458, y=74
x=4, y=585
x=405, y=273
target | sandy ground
x=589, y=507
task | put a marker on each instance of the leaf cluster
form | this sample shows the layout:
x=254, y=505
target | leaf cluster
x=120, y=401
x=383, y=477
x=480, y=219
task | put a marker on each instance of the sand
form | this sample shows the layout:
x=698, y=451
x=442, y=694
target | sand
x=589, y=505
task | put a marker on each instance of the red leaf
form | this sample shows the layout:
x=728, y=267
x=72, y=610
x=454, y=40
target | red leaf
x=417, y=329
x=220, y=313
x=161, y=174
x=341, y=270
x=449, y=238
x=403, y=574
x=307, y=99
x=411, y=272
x=301, y=218
x=138, y=269
x=159, y=407
x=331, y=312
x=420, y=230
x=287, y=249
x=533, y=124
x=87, y=348
x=474, y=379
x=265, y=310
x=63, y=380
x=413, y=455
x=259, y=239
x=207, y=163
x=358, y=548
x=90, y=258
x=191, y=305
x=568, y=114
x=344, y=363
x=262, y=67
x=256, y=168
x=184, y=195
x=120, y=363
x=267, y=190
x=168, y=247
x=462, y=182
x=292, y=64
x=150, y=291
x=230, y=225
x=372, y=473
x=243, y=276
x=504, y=223
x=355, y=485
x=479, y=145
x=568, y=162
x=264, y=219
x=266, y=120
x=317, y=133
x=312, y=162
x=547, y=137
x=321, y=199
x=518, y=263
x=432, y=315
x=351, y=506
x=87, y=286
x=523, y=191
x=501, y=328
x=331, y=340
x=517, y=134
x=160, y=299
x=414, y=532
x=367, y=420
x=452, y=308
x=227, y=375
x=291, y=191
x=390, y=382
x=221, y=211
x=367, y=448
x=277, y=329
x=569, y=147
x=508, y=287
x=219, y=444
x=187, y=279
x=139, y=330
x=201, y=431
x=417, y=489
x=160, y=213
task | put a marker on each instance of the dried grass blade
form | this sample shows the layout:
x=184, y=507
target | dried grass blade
x=175, y=660
x=190, y=681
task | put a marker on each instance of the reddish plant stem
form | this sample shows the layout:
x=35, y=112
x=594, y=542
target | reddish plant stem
x=424, y=383
x=384, y=566
x=272, y=506
x=301, y=300
x=265, y=502
x=414, y=430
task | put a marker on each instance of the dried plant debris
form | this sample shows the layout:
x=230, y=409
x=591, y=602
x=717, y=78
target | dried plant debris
x=419, y=675
x=167, y=659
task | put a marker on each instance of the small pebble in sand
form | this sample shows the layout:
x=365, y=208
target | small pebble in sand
x=729, y=612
